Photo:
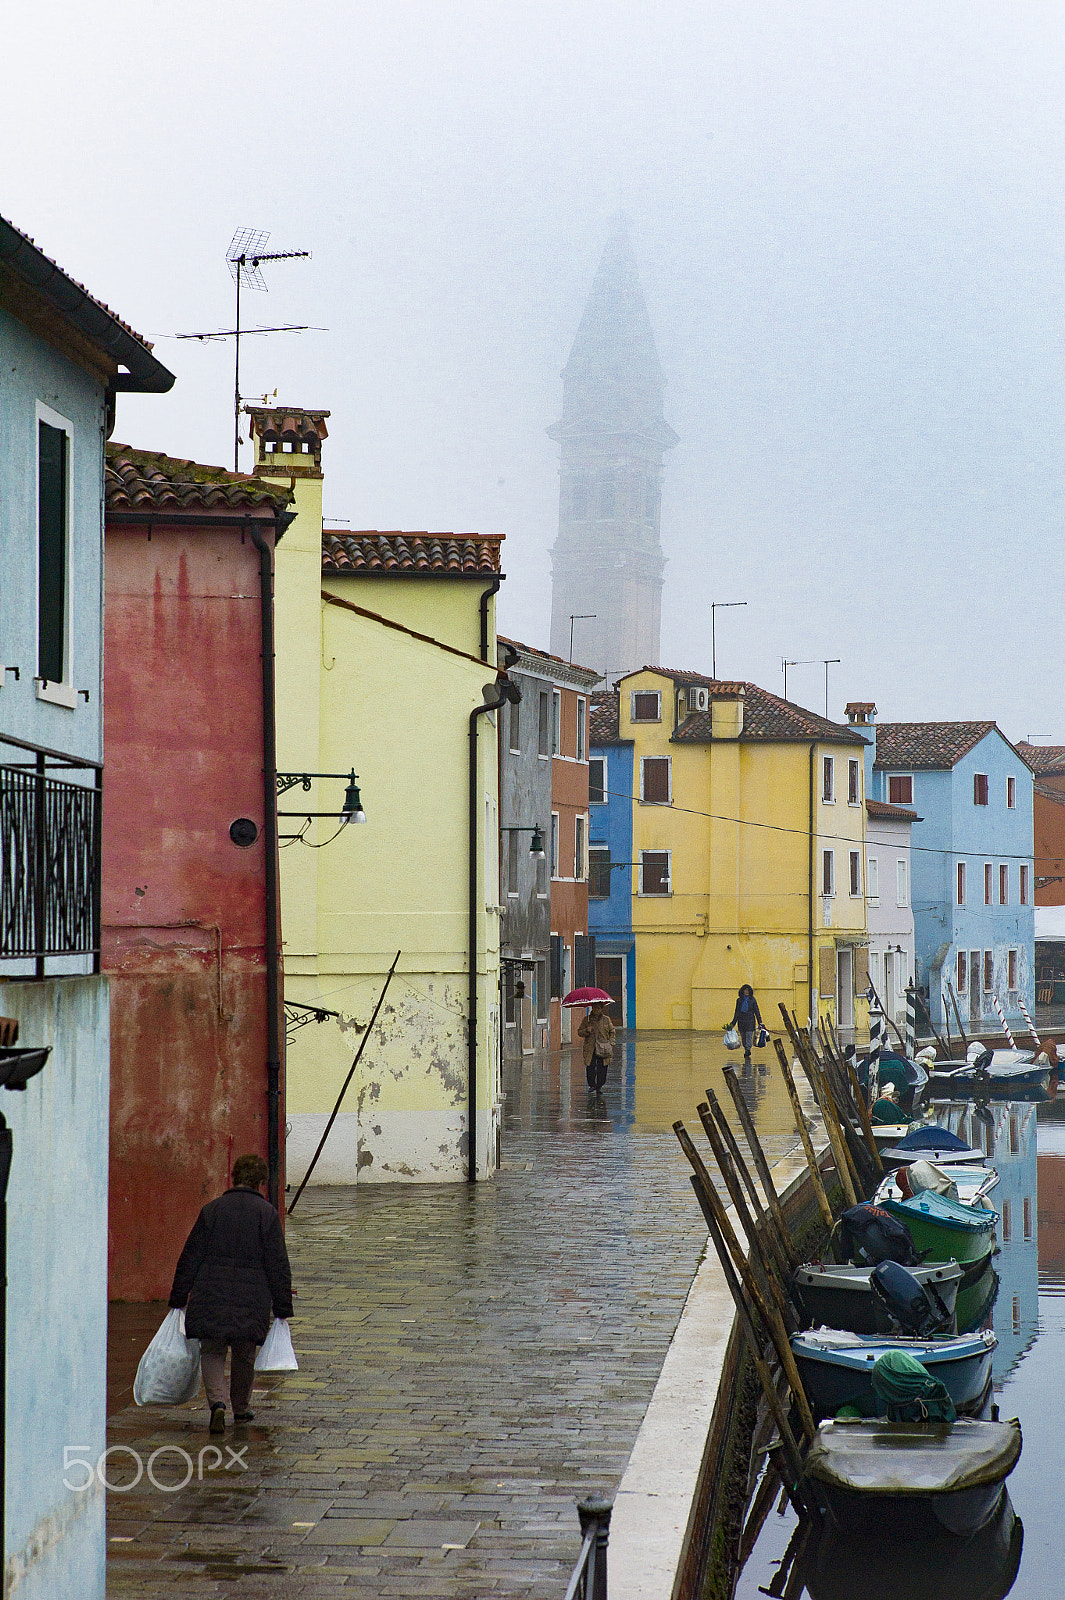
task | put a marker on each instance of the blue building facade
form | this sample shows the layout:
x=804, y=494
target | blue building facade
x=973, y=885
x=609, y=858
x=63, y=356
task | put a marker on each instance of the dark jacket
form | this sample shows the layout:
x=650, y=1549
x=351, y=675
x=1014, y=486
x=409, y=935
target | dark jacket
x=746, y=1014
x=234, y=1269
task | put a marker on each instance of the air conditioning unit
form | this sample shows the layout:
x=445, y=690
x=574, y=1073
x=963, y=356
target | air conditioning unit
x=699, y=699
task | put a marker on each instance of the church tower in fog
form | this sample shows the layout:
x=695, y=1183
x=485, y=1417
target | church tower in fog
x=608, y=559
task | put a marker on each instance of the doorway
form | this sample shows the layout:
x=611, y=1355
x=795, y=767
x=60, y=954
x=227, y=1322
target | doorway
x=845, y=987
x=974, y=986
x=610, y=975
x=888, y=995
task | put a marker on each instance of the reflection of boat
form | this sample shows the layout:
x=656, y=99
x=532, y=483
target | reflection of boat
x=939, y=1566
x=842, y=1297
x=912, y=1479
x=976, y=1298
x=945, y=1230
x=1001, y=1080
x=836, y=1367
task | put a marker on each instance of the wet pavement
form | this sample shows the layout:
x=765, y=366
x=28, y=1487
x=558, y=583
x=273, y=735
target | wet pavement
x=471, y=1360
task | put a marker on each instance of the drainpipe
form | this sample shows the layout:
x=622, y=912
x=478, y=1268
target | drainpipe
x=492, y=589
x=503, y=691
x=813, y=872
x=273, y=1018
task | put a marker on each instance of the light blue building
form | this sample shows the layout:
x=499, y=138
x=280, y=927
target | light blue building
x=63, y=358
x=973, y=887
x=610, y=857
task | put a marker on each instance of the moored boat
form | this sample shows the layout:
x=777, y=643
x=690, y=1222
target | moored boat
x=844, y=1297
x=959, y=1080
x=934, y=1144
x=912, y=1478
x=836, y=1367
x=972, y=1183
x=943, y=1229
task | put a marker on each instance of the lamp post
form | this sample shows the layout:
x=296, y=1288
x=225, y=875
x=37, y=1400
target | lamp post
x=351, y=809
x=718, y=605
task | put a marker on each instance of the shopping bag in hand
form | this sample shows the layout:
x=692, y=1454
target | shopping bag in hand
x=276, y=1353
x=762, y=1039
x=169, y=1371
x=732, y=1039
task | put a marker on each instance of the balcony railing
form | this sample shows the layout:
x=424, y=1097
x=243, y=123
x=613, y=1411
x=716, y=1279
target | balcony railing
x=49, y=860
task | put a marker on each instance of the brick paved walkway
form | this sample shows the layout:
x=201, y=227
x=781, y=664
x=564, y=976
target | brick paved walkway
x=471, y=1362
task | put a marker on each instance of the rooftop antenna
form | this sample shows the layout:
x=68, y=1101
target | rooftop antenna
x=811, y=661
x=247, y=251
x=578, y=616
x=829, y=661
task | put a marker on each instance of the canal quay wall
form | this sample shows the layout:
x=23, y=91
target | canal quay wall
x=679, y=1507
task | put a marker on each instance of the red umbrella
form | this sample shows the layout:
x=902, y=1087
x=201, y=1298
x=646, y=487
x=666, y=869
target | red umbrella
x=587, y=997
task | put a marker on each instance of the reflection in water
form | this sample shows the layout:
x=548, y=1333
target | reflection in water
x=1027, y=1145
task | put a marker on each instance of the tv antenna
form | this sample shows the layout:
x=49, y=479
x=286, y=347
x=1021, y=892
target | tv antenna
x=246, y=254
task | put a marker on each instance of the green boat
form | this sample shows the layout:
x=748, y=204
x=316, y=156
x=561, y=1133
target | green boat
x=945, y=1230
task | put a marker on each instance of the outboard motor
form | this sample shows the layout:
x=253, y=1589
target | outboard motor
x=868, y=1234
x=917, y=1308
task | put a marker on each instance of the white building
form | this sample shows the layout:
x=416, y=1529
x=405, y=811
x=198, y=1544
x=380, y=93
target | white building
x=888, y=909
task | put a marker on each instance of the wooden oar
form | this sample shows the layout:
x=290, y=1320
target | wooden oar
x=766, y=1218
x=753, y=1233
x=772, y=1323
x=866, y=1119
x=804, y=1134
x=755, y=1144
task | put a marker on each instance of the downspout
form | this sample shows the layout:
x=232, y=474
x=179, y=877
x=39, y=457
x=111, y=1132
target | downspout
x=503, y=691
x=810, y=897
x=492, y=589
x=273, y=1017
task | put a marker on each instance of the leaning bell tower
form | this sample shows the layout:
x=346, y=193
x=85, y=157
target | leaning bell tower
x=607, y=561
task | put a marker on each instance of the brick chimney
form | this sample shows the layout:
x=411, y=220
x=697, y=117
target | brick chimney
x=288, y=441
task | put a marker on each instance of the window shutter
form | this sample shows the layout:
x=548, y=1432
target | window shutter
x=556, y=966
x=656, y=779
x=861, y=969
x=826, y=971
x=583, y=960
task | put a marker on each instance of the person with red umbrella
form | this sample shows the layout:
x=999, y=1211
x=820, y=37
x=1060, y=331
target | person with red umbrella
x=597, y=1033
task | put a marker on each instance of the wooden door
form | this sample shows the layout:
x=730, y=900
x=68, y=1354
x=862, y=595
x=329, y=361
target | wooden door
x=610, y=975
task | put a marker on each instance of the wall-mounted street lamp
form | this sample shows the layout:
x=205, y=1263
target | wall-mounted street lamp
x=536, y=843
x=350, y=811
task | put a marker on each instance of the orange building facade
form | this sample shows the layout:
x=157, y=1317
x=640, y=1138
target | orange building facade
x=572, y=952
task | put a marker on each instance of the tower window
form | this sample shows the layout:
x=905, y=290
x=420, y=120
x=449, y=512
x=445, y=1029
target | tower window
x=607, y=495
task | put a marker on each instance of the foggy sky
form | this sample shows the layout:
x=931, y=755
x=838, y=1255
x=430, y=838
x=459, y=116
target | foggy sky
x=849, y=222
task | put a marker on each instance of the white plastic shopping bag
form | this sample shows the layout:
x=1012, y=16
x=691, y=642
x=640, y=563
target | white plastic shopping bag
x=732, y=1038
x=169, y=1371
x=276, y=1353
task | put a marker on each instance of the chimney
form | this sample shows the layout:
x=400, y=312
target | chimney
x=288, y=441
x=726, y=716
x=861, y=714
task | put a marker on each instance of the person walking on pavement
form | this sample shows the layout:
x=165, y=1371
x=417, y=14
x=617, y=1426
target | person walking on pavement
x=597, y=1031
x=233, y=1270
x=746, y=1018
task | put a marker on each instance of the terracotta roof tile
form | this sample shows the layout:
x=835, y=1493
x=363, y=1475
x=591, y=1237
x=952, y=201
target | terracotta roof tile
x=882, y=811
x=545, y=655
x=148, y=480
x=389, y=554
x=931, y=746
x=603, y=717
x=1046, y=759
x=765, y=717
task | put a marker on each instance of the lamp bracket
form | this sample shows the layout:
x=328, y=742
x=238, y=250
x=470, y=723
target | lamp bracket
x=289, y=780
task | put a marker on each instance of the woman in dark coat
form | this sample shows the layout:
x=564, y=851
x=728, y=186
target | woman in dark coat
x=233, y=1271
x=746, y=1018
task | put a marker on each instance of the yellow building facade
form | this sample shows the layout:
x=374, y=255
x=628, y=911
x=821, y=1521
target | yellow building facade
x=386, y=648
x=748, y=854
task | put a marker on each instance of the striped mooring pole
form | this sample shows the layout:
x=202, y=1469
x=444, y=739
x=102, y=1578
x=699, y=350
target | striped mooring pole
x=1031, y=1025
x=876, y=1041
x=1005, y=1024
x=911, y=1021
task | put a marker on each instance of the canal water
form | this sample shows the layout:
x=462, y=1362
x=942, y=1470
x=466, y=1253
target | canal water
x=1027, y=1146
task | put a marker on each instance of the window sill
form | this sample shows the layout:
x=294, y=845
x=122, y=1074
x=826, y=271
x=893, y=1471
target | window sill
x=57, y=694
x=655, y=802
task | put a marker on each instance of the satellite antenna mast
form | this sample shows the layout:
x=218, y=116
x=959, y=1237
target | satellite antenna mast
x=247, y=251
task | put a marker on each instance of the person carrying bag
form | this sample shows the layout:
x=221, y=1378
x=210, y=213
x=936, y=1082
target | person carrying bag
x=746, y=1019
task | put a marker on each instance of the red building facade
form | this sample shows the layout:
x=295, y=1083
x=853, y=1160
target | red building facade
x=189, y=901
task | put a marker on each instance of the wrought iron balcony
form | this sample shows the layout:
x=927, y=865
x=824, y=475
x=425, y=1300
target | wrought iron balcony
x=49, y=858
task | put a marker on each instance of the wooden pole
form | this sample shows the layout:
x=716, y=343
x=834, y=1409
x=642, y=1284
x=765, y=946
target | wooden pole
x=747, y=1122
x=734, y=1149
x=844, y=1129
x=753, y=1233
x=866, y=1119
x=804, y=1134
x=957, y=1013
x=835, y=1138
x=772, y=1323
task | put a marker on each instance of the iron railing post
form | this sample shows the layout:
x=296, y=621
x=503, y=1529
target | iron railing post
x=595, y=1513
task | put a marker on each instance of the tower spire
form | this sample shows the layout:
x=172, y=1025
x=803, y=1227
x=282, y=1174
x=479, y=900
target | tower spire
x=608, y=558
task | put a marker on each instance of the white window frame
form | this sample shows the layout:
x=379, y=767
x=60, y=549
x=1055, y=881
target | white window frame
x=669, y=781
x=900, y=775
x=989, y=883
x=632, y=705
x=961, y=883
x=961, y=973
x=553, y=858
x=1011, y=793
x=988, y=988
x=853, y=768
x=902, y=881
x=580, y=847
x=514, y=728
x=828, y=860
x=513, y=862
x=872, y=880
x=1013, y=970
x=987, y=788
x=556, y=722
x=854, y=870
x=602, y=762
x=582, y=728
x=828, y=780
x=1025, y=884
x=669, y=875
x=57, y=694
x=1004, y=882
